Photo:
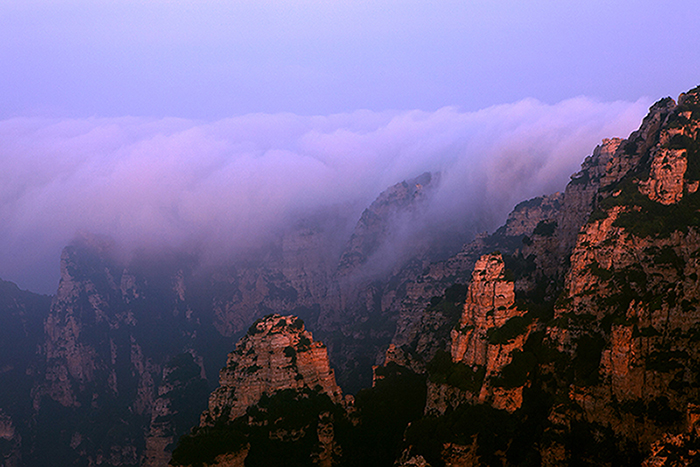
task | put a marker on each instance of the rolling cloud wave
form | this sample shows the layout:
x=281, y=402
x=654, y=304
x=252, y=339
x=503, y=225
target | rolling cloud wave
x=171, y=181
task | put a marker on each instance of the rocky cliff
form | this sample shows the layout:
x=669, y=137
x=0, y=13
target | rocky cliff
x=596, y=361
x=490, y=329
x=110, y=343
x=630, y=298
x=562, y=346
x=433, y=300
x=276, y=354
x=107, y=389
x=276, y=362
x=567, y=336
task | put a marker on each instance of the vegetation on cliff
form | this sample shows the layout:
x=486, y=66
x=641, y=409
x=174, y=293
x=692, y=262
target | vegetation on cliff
x=568, y=349
x=567, y=337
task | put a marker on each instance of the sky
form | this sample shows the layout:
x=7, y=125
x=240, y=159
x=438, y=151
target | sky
x=158, y=122
x=209, y=59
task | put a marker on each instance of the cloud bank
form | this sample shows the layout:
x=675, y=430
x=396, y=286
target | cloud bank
x=150, y=182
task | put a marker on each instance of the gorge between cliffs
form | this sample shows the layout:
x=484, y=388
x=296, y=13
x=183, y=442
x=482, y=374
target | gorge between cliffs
x=570, y=335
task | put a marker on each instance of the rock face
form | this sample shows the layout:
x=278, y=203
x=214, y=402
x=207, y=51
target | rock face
x=630, y=298
x=276, y=354
x=599, y=169
x=603, y=360
x=277, y=389
x=526, y=216
x=181, y=398
x=665, y=183
x=425, y=320
x=345, y=277
x=293, y=272
x=490, y=329
x=106, y=344
x=21, y=317
x=568, y=335
x=92, y=361
x=490, y=303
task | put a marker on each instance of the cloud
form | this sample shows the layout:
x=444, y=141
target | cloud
x=172, y=181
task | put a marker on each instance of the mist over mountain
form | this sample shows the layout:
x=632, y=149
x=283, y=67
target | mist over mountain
x=349, y=233
x=568, y=333
x=225, y=187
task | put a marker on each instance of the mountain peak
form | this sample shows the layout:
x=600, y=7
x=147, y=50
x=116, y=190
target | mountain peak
x=277, y=353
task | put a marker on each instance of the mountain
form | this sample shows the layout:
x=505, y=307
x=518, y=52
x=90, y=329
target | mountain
x=568, y=336
x=582, y=349
x=277, y=368
x=118, y=364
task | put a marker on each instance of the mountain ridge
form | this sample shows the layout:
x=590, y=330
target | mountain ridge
x=567, y=335
x=575, y=343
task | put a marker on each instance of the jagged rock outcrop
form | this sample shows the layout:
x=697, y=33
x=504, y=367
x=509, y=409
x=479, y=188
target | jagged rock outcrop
x=630, y=300
x=609, y=282
x=526, y=216
x=94, y=364
x=348, y=289
x=631, y=296
x=576, y=343
x=490, y=303
x=667, y=183
x=110, y=331
x=277, y=389
x=276, y=354
x=490, y=329
x=425, y=321
x=113, y=326
x=580, y=194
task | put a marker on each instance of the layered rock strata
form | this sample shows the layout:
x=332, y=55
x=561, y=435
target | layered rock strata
x=596, y=363
x=610, y=282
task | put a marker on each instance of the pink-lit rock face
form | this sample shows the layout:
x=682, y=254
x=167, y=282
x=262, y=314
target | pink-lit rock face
x=276, y=354
x=490, y=304
x=665, y=183
x=667, y=176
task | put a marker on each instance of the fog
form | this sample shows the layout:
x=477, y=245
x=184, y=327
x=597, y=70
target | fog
x=225, y=184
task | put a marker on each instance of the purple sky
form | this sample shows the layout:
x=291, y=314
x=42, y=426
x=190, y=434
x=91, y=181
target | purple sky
x=211, y=59
x=161, y=121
